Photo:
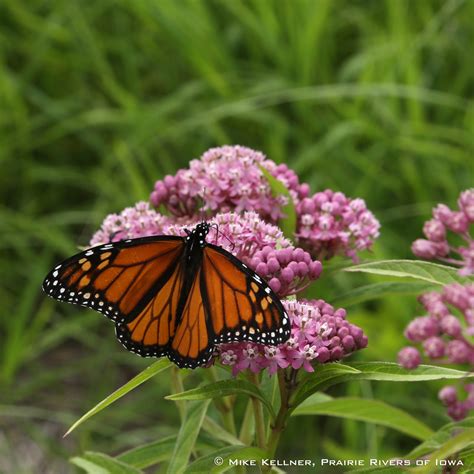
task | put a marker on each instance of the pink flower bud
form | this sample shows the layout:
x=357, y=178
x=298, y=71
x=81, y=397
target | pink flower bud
x=457, y=411
x=450, y=325
x=434, y=230
x=457, y=222
x=448, y=395
x=434, y=347
x=424, y=249
x=323, y=355
x=458, y=352
x=409, y=357
x=348, y=343
x=337, y=353
x=422, y=328
x=466, y=203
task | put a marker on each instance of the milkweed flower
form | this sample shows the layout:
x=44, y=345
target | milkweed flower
x=330, y=223
x=133, y=222
x=457, y=408
x=445, y=336
x=227, y=184
x=319, y=334
x=444, y=223
x=227, y=178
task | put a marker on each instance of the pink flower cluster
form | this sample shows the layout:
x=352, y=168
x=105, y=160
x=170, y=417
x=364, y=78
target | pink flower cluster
x=436, y=245
x=261, y=246
x=230, y=178
x=319, y=334
x=444, y=336
x=228, y=185
x=456, y=407
x=225, y=179
x=131, y=223
x=329, y=223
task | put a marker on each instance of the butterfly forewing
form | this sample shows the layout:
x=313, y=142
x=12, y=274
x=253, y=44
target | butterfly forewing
x=117, y=279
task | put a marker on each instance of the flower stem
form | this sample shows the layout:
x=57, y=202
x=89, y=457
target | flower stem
x=224, y=406
x=178, y=387
x=258, y=414
x=287, y=387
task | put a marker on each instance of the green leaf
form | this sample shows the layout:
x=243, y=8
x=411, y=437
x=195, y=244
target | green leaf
x=326, y=375
x=392, y=372
x=217, y=432
x=187, y=436
x=208, y=463
x=149, y=454
x=417, y=269
x=467, y=456
x=288, y=223
x=223, y=388
x=452, y=446
x=437, y=439
x=143, y=376
x=153, y=453
x=98, y=463
x=371, y=411
x=379, y=290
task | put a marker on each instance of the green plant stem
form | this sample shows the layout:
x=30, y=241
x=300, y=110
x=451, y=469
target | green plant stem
x=247, y=427
x=287, y=387
x=224, y=406
x=178, y=387
x=258, y=414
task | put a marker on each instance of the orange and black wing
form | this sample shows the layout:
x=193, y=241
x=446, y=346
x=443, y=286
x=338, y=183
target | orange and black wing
x=118, y=279
x=242, y=307
x=227, y=302
x=172, y=323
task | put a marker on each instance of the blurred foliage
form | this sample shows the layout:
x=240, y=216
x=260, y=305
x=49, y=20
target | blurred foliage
x=100, y=99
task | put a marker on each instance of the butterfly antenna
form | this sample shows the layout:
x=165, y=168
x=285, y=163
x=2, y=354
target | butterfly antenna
x=112, y=235
x=202, y=212
x=216, y=226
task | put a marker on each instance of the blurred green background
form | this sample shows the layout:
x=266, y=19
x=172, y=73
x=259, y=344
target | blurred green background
x=100, y=99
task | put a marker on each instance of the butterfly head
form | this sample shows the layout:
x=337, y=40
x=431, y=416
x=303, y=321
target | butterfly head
x=198, y=234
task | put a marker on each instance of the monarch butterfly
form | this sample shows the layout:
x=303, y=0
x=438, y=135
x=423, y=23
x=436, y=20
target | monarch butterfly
x=172, y=296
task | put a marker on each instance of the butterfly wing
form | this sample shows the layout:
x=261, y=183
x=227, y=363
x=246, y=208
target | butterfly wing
x=119, y=279
x=241, y=306
x=227, y=302
x=139, y=284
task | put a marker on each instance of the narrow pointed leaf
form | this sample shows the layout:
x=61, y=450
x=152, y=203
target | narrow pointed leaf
x=143, y=376
x=379, y=290
x=330, y=374
x=155, y=452
x=219, y=461
x=419, y=270
x=98, y=463
x=444, y=434
x=149, y=454
x=450, y=447
x=288, y=223
x=223, y=388
x=371, y=411
x=217, y=432
x=187, y=436
x=393, y=372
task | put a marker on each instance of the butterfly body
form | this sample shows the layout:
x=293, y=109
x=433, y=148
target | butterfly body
x=172, y=296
